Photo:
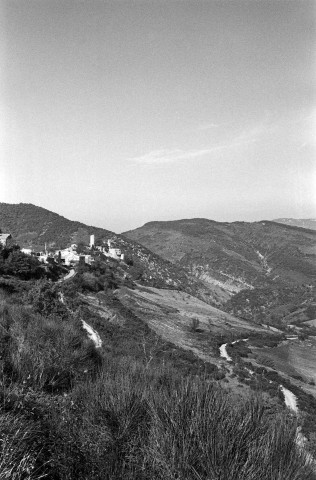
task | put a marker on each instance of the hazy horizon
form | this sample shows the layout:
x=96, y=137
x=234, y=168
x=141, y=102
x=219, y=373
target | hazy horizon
x=160, y=220
x=119, y=113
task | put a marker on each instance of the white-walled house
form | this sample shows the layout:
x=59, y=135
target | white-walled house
x=27, y=251
x=114, y=252
x=68, y=256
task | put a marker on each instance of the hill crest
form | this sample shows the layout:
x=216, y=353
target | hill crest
x=33, y=226
x=241, y=254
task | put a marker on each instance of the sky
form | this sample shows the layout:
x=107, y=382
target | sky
x=116, y=113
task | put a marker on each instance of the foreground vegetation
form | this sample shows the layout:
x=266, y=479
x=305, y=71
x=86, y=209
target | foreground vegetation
x=138, y=408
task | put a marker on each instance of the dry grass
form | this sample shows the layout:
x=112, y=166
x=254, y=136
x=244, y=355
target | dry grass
x=138, y=417
x=170, y=314
x=293, y=358
x=136, y=423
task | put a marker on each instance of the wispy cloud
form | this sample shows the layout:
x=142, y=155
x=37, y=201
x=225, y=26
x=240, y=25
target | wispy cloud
x=164, y=156
x=262, y=131
x=158, y=157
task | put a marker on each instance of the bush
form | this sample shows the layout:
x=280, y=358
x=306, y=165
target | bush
x=90, y=282
x=14, y=262
x=45, y=298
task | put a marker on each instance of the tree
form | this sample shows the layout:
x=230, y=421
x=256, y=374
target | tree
x=90, y=282
x=45, y=298
x=14, y=262
x=109, y=281
x=81, y=248
x=194, y=325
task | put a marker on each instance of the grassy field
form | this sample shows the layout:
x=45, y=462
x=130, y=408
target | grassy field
x=185, y=320
x=311, y=322
x=295, y=358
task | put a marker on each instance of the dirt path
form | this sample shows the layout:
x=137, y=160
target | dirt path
x=92, y=334
x=290, y=399
x=223, y=352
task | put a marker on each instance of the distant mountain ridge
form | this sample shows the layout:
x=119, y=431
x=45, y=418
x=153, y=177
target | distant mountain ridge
x=234, y=255
x=309, y=223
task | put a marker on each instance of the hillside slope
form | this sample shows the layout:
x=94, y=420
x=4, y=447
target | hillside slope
x=33, y=226
x=309, y=223
x=235, y=255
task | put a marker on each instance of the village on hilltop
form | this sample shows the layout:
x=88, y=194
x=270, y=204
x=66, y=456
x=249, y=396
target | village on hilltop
x=70, y=256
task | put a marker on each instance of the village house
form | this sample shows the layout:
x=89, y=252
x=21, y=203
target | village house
x=27, y=251
x=114, y=252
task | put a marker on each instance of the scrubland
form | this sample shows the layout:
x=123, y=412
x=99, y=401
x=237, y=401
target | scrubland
x=138, y=408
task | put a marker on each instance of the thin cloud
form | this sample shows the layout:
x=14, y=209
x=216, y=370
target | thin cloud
x=158, y=157
x=165, y=156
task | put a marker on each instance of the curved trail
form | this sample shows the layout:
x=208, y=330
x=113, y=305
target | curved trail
x=92, y=334
x=290, y=399
x=223, y=352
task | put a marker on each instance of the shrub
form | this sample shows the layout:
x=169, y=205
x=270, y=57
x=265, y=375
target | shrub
x=45, y=298
x=14, y=262
x=90, y=282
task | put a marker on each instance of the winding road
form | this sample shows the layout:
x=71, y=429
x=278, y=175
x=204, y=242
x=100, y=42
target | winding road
x=69, y=275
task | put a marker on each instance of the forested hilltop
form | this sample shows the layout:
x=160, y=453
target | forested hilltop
x=129, y=406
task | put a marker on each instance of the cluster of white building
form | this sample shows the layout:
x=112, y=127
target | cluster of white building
x=69, y=256
x=111, y=251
